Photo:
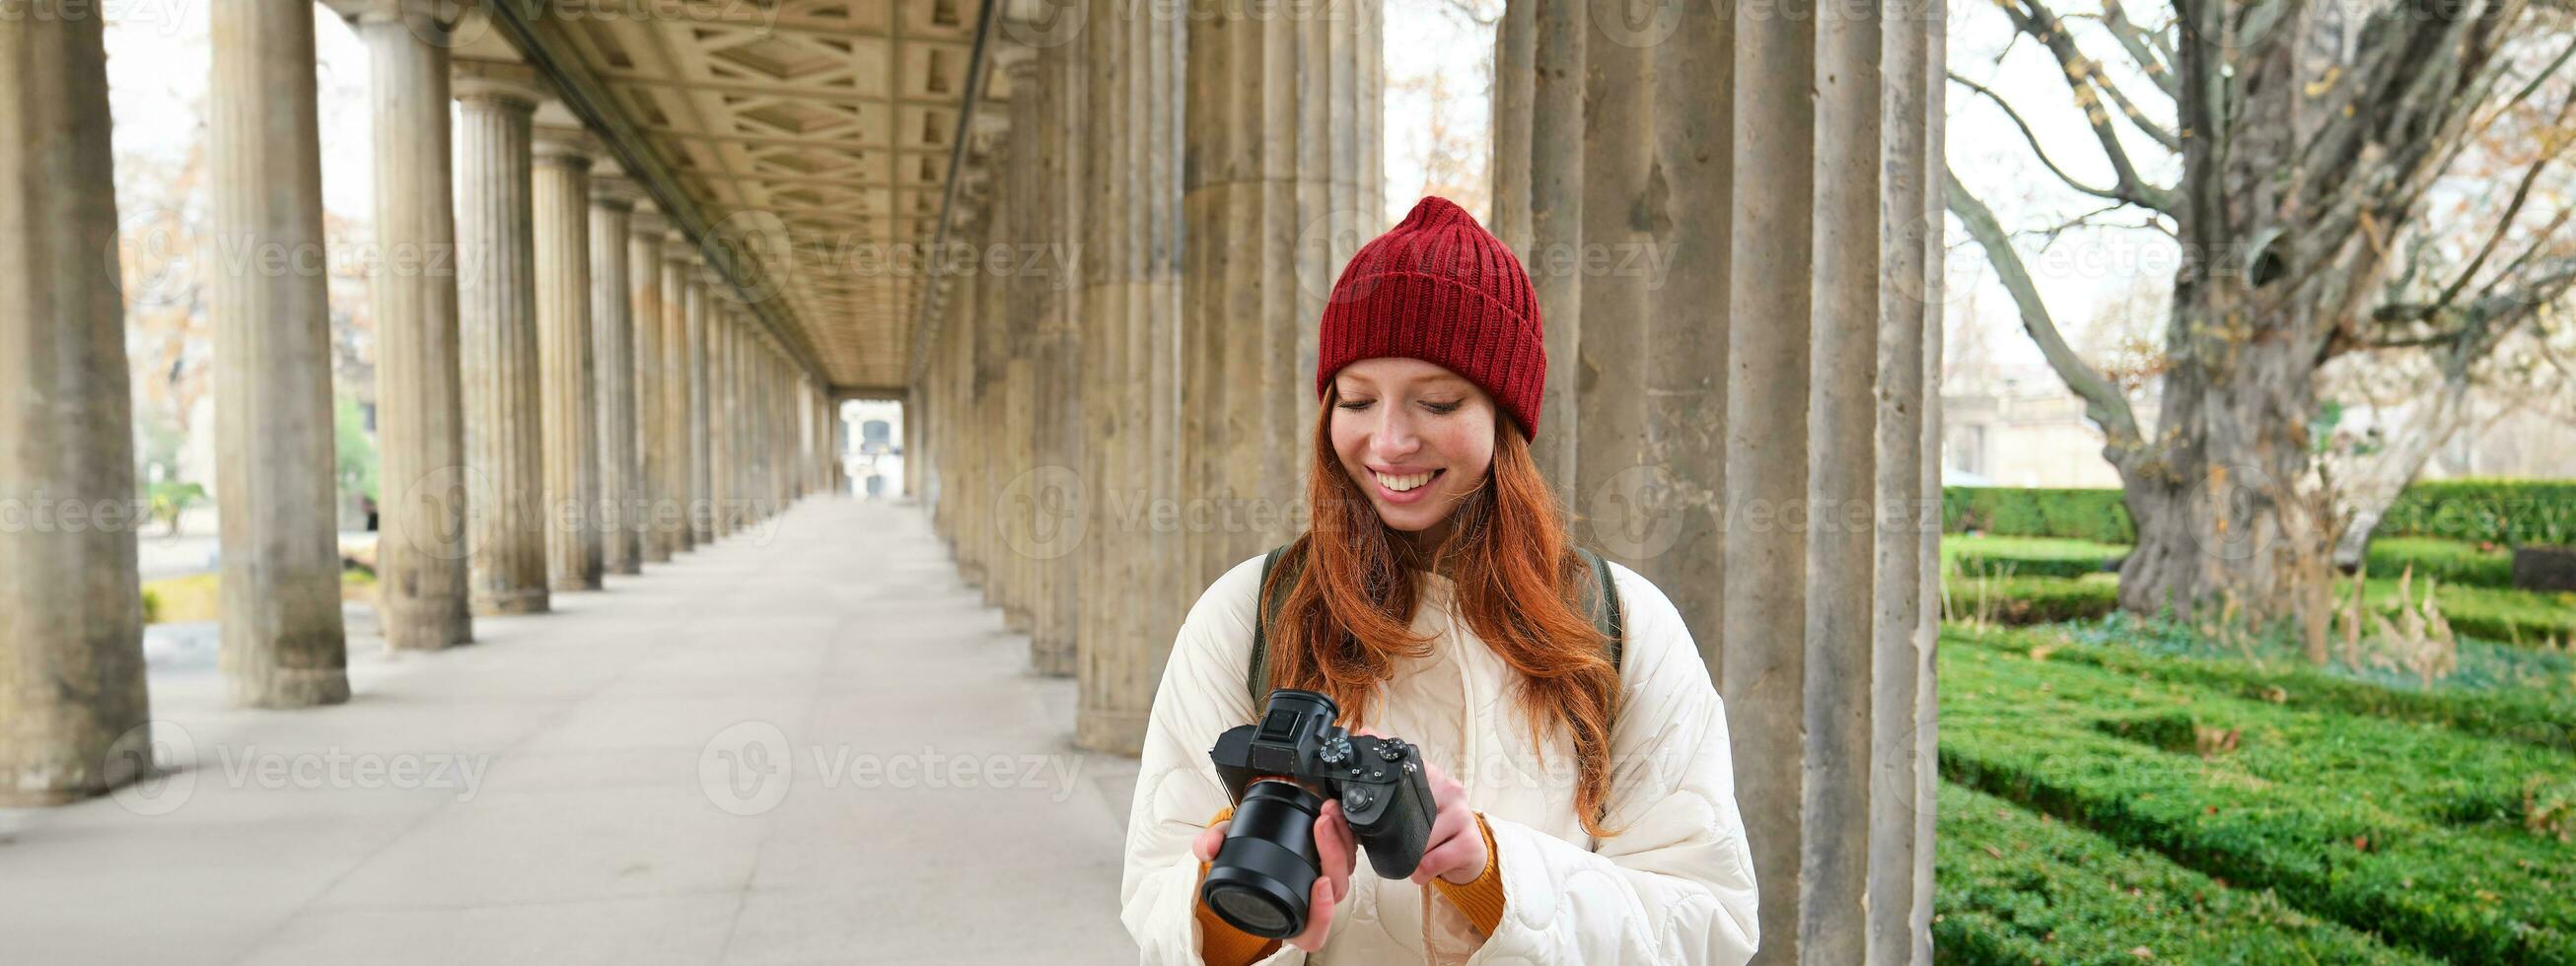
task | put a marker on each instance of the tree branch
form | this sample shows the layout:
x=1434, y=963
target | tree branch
x=2033, y=139
x=2155, y=62
x=2082, y=75
x=2504, y=222
x=2103, y=401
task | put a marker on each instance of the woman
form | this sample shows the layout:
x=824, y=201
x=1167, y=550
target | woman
x=1584, y=796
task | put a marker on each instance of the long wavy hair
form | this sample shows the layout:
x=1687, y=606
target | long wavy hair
x=1349, y=614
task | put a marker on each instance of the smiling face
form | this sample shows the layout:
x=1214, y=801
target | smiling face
x=1415, y=437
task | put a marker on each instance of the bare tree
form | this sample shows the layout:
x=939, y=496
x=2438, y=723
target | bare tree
x=2309, y=137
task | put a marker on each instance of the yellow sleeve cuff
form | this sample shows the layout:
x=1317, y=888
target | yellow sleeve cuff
x=1481, y=900
x=1220, y=944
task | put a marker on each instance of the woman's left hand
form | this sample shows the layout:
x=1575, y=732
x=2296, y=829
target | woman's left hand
x=1456, y=848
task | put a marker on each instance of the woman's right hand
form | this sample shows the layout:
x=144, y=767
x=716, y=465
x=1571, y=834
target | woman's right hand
x=1332, y=844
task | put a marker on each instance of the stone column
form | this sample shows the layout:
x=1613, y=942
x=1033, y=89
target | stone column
x=1538, y=196
x=1284, y=117
x=612, y=327
x=275, y=478
x=1777, y=169
x=652, y=427
x=698, y=346
x=915, y=444
x=1055, y=224
x=562, y=202
x=723, y=486
x=72, y=698
x=497, y=316
x=1135, y=76
x=679, y=391
x=422, y=543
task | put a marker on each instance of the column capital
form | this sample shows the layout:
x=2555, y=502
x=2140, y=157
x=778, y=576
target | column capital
x=677, y=249
x=565, y=146
x=507, y=82
x=441, y=14
x=647, y=222
x=1016, y=60
x=611, y=189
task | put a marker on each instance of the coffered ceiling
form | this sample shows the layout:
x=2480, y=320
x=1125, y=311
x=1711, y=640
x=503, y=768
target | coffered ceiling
x=813, y=135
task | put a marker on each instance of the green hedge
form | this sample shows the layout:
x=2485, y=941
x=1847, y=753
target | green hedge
x=2029, y=556
x=2016, y=887
x=2386, y=827
x=2504, y=616
x=2456, y=562
x=2505, y=512
x=2083, y=514
x=2020, y=601
x=2541, y=716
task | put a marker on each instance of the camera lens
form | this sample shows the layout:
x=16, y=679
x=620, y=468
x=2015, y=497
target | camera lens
x=1266, y=869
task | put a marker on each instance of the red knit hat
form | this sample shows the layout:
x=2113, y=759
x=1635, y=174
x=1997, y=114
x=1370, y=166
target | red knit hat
x=1438, y=287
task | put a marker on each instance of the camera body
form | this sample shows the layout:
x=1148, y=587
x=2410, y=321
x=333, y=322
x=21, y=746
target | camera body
x=1278, y=771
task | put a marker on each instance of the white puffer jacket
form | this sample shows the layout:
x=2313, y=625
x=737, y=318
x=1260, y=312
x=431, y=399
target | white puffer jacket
x=1675, y=887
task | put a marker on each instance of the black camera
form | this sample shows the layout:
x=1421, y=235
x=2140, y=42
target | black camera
x=1279, y=772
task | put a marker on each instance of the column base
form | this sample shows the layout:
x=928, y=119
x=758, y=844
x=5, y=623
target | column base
x=530, y=601
x=575, y=584
x=424, y=626
x=1110, y=732
x=628, y=568
x=1015, y=620
x=1052, y=658
x=284, y=688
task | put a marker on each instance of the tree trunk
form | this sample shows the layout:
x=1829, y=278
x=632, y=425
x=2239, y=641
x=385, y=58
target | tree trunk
x=2225, y=510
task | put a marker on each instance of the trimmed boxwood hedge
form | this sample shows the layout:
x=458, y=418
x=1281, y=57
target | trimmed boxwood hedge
x=2533, y=715
x=2092, y=514
x=2510, y=512
x=2015, y=887
x=2029, y=556
x=2386, y=827
x=2020, y=601
x=2504, y=512
x=2504, y=616
x=2455, y=562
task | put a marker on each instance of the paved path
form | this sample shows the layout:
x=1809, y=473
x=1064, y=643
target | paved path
x=782, y=749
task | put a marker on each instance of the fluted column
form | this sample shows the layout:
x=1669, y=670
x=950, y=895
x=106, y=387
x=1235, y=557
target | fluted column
x=721, y=439
x=679, y=390
x=422, y=544
x=275, y=479
x=1777, y=170
x=612, y=326
x=699, y=347
x=1135, y=74
x=562, y=202
x=1055, y=217
x=71, y=614
x=497, y=321
x=1284, y=119
x=652, y=426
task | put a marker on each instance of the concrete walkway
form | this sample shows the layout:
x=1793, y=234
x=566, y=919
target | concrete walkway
x=806, y=745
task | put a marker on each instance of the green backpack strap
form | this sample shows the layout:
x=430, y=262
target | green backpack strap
x=1606, y=619
x=1603, y=587
x=1256, y=676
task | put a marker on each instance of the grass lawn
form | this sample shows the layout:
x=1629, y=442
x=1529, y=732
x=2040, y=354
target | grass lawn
x=199, y=597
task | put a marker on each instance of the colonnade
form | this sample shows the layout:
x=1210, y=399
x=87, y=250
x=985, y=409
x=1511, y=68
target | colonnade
x=1732, y=221
x=566, y=390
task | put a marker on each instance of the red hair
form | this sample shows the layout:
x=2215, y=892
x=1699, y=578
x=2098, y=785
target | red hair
x=1517, y=578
